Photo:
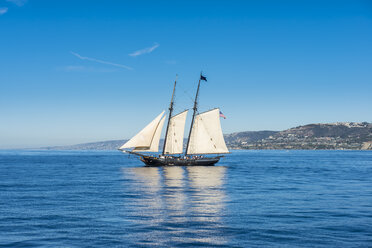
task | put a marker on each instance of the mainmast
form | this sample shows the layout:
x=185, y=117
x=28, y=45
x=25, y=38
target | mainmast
x=170, y=115
x=195, y=108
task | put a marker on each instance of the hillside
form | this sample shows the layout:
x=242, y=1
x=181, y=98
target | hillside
x=101, y=145
x=235, y=140
x=340, y=136
x=330, y=136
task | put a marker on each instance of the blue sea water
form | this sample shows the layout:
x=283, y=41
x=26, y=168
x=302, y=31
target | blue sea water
x=250, y=199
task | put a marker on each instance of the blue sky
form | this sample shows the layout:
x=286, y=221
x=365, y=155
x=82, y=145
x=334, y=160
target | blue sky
x=81, y=71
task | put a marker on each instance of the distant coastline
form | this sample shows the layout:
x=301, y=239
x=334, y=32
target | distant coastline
x=321, y=136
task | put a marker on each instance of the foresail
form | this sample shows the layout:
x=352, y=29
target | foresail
x=206, y=134
x=144, y=138
x=154, y=147
x=174, y=139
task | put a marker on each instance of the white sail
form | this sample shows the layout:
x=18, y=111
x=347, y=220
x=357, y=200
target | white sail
x=154, y=147
x=206, y=134
x=144, y=138
x=174, y=139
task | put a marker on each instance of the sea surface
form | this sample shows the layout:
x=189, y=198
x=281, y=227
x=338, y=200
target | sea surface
x=250, y=199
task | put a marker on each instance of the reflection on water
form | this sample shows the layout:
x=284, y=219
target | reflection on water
x=147, y=204
x=177, y=205
x=149, y=177
x=174, y=193
x=207, y=201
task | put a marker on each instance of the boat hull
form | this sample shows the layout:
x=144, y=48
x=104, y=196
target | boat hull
x=174, y=161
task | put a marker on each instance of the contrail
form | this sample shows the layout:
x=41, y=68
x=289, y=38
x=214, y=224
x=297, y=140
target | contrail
x=145, y=50
x=101, y=61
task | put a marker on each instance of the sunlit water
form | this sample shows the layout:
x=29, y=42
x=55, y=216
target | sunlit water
x=250, y=199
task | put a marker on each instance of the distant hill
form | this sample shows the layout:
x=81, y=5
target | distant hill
x=101, y=145
x=247, y=137
x=331, y=136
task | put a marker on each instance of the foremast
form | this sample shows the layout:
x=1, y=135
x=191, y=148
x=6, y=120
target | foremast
x=195, y=108
x=170, y=116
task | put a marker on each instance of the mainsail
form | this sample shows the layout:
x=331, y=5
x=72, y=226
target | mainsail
x=174, y=139
x=206, y=135
x=148, y=138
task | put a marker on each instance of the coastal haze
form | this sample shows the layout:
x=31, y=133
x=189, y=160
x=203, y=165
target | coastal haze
x=331, y=136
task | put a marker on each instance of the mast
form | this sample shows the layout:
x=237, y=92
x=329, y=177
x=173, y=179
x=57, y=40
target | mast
x=170, y=115
x=195, y=108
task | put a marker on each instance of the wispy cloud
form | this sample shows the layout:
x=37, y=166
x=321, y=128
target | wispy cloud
x=3, y=10
x=144, y=51
x=101, y=61
x=17, y=2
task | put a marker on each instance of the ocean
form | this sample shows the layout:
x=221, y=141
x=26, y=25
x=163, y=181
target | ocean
x=249, y=199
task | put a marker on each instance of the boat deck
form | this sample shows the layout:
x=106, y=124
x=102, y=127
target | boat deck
x=179, y=161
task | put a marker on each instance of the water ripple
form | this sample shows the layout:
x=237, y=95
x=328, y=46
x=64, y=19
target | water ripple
x=251, y=199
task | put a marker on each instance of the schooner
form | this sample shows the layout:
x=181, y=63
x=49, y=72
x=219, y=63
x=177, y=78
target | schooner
x=205, y=137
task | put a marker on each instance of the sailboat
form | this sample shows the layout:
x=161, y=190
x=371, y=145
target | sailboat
x=205, y=138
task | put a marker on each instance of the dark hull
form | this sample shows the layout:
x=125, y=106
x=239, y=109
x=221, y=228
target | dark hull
x=174, y=161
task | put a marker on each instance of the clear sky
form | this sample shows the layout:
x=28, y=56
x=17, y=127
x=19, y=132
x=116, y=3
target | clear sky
x=81, y=71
